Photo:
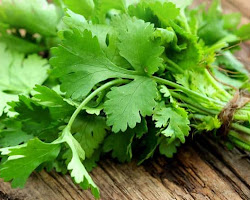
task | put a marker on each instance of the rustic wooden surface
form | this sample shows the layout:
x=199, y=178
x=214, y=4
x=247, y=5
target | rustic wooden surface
x=201, y=169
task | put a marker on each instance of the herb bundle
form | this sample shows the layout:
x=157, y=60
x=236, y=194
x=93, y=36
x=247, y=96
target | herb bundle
x=79, y=79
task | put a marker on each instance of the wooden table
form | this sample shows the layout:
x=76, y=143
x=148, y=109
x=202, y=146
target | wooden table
x=201, y=170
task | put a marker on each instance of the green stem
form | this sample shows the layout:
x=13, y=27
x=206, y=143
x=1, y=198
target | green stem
x=187, y=91
x=91, y=96
x=198, y=116
x=218, y=87
x=217, y=46
x=240, y=144
x=173, y=64
x=240, y=128
x=194, y=104
x=193, y=108
x=239, y=140
x=241, y=117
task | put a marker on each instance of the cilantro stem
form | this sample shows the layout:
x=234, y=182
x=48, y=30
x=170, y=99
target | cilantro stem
x=217, y=46
x=241, y=128
x=217, y=87
x=241, y=117
x=91, y=96
x=192, y=108
x=239, y=140
x=198, y=116
x=201, y=109
x=194, y=104
x=235, y=126
x=187, y=91
x=173, y=64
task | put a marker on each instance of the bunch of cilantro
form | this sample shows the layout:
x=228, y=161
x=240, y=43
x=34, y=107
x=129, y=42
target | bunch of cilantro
x=79, y=79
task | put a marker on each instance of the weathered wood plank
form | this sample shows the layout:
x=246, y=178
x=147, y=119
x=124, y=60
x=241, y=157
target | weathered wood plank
x=201, y=170
x=201, y=174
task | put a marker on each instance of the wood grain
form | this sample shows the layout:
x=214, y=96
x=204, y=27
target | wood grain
x=201, y=170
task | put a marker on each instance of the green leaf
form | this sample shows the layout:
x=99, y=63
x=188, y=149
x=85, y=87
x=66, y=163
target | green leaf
x=19, y=44
x=12, y=137
x=83, y=7
x=78, y=171
x=199, y=82
x=141, y=129
x=226, y=79
x=138, y=35
x=142, y=11
x=42, y=125
x=24, y=159
x=37, y=15
x=231, y=21
x=165, y=35
x=128, y=103
x=120, y=144
x=230, y=62
x=102, y=8
x=209, y=123
x=165, y=91
x=4, y=99
x=174, y=121
x=81, y=64
x=212, y=20
x=185, y=50
x=59, y=108
x=165, y=11
x=18, y=75
x=91, y=163
x=89, y=131
x=19, y=40
x=11, y=133
x=168, y=147
x=75, y=21
x=113, y=54
x=181, y=4
x=149, y=144
x=81, y=67
x=244, y=32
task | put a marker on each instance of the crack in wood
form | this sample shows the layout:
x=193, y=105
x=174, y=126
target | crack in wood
x=4, y=196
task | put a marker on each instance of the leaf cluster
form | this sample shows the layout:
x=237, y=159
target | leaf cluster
x=127, y=78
